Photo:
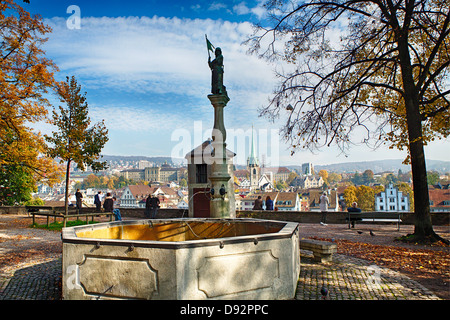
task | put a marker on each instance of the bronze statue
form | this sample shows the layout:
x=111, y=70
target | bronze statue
x=216, y=66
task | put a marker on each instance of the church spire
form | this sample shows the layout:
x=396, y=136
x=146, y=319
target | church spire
x=252, y=159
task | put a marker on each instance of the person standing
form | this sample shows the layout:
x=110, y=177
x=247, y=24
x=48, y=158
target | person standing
x=78, y=197
x=154, y=206
x=324, y=202
x=148, y=205
x=98, y=201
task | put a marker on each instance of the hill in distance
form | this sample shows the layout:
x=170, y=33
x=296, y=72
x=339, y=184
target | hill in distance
x=348, y=167
x=382, y=166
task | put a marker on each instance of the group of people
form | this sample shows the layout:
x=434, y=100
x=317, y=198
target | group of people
x=108, y=203
x=151, y=207
x=259, y=203
x=323, y=201
x=151, y=204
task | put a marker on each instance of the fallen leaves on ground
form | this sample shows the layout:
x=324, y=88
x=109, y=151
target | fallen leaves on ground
x=429, y=267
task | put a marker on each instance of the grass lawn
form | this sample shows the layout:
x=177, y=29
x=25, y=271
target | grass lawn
x=57, y=226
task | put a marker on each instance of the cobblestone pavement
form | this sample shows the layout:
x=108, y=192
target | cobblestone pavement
x=349, y=278
x=346, y=278
x=36, y=281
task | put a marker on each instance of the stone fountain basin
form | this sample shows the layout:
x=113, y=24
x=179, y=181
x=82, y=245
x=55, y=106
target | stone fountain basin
x=178, y=259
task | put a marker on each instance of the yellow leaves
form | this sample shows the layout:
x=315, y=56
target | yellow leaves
x=25, y=76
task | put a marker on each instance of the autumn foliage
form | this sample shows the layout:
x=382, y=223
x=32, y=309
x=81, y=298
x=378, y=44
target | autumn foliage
x=26, y=75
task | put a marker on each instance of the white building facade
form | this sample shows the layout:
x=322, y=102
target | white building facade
x=391, y=200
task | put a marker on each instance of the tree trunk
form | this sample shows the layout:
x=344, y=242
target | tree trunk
x=66, y=196
x=423, y=228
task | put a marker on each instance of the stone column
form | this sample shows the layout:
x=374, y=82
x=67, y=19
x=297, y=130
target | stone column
x=220, y=205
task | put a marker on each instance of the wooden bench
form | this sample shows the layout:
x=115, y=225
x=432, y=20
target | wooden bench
x=59, y=212
x=353, y=217
x=322, y=250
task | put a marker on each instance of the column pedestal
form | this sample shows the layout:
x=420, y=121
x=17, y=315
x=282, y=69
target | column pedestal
x=220, y=205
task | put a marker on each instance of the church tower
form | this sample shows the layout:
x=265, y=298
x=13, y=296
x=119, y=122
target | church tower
x=253, y=167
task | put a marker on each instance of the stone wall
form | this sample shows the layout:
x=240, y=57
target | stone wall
x=438, y=218
x=12, y=210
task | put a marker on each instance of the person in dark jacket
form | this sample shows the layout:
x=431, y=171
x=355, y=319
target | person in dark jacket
x=154, y=206
x=148, y=204
x=78, y=197
x=353, y=208
x=98, y=202
x=108, y=205
x=269, y=203
x=258, y=204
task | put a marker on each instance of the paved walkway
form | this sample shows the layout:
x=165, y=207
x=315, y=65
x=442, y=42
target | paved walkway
x=36, y=281
x=346, y=278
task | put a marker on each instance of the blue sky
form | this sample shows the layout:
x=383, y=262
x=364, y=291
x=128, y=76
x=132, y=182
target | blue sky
x=144, y=67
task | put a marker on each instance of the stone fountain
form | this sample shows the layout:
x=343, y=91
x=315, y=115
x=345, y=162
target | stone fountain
x=214, y=257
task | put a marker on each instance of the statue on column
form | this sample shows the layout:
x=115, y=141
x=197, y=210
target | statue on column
x=217, y=69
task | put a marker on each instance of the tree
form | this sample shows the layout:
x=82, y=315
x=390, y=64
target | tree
x=357, y=179
x=92, y=181
x=324, y=174
x=17, y=184
x=387, y=76
x=367, y=177
x=334, y=178
x=406, y=190
x=291, y=178
x=350, y=195
x=76, y=141
x=280, y=185
x=432, y=177
x=183, y=183
x=366, y=198
x=25, y=77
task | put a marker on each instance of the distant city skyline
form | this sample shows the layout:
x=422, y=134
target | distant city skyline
x=144, y=68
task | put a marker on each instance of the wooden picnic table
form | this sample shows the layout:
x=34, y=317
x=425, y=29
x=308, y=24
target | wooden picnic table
x=59, y=212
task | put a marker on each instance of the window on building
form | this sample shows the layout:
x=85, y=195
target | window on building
x=201, y=174
x=381, y=207
x=391, y=200
x=403, y=208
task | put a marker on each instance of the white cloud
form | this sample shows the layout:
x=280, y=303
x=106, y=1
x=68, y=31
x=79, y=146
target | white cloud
x=168, y=53
x=158, y=58
x=241, y=8
x=196, y=7
x=217, y=6
x=163, y=63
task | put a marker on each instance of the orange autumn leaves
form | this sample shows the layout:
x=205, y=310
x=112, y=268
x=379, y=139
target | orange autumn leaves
x=26, y=76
